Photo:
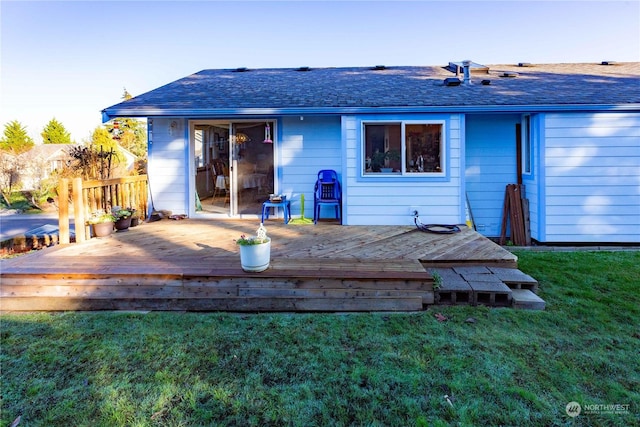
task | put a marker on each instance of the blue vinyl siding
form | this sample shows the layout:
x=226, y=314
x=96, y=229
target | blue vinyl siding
x=592, y=190
x=306, y=147
x=167, y=170
x=490, y=158
x=534, y=181
x=388, y=201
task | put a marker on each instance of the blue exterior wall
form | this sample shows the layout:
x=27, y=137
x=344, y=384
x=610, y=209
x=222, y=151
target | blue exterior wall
x=389, y=200
x=591, y=191
x=534, y=181
x=306, y=146
x=584, y=186
x=490, y=155
x=168, y=165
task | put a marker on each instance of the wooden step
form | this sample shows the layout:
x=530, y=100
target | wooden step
x=218, y=283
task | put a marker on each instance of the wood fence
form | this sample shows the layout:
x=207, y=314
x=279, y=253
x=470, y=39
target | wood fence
x=91, y=196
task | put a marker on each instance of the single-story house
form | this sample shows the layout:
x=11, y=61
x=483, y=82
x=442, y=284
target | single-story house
x=40, y=162
x=432, y=139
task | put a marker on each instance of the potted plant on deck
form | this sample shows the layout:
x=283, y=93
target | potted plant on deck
x=255, y=251
x=135, y=218
x=102, y=223
x=123, y=218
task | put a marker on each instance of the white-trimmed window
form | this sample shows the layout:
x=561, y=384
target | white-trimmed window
x=403, y=148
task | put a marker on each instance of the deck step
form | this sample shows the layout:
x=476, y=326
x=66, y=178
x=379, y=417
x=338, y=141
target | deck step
x=486, y=285
x=515, y=278
x=454, y=290
x=220, y=284
x=526, y=299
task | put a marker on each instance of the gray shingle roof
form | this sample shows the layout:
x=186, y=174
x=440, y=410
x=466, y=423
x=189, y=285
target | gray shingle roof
x=421, y=88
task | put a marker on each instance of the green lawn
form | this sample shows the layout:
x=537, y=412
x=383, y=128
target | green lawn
x=510, y=367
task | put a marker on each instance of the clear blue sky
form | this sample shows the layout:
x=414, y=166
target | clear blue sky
x=71, y=59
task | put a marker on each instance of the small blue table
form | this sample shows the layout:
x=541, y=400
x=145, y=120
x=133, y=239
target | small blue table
x=284, y=204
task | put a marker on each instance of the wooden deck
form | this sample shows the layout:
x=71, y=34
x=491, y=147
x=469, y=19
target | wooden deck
x=194, y=265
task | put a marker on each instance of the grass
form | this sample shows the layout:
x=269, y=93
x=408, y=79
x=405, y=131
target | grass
x=510, y=367
x=20, y=201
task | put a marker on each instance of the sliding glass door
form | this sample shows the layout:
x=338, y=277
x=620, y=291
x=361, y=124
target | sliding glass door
x=234, y=166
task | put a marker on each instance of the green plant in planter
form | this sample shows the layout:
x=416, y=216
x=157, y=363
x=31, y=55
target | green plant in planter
x=122, y=213
x=255, y=252
x=135, y=218
x=260, y=238
x=100, y=216
x=378, y=159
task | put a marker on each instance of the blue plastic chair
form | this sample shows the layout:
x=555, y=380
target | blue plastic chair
x=327, y=192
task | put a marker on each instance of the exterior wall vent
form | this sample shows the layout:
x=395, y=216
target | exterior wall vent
x=452, y=81
x=303, y=69
x=240, y=70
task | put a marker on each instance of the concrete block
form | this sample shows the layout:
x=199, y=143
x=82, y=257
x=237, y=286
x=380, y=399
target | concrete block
x=474, y=277
x=472, y=269
x=515, y=278
x=493, y=294
x=454, y=289
x=449, y=276
x=525, y=299
x=454, y=293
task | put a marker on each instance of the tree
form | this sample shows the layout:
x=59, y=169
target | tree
x=15, y=139
x=9, y=175
x=102, y=141
x=130, y=134
x=55, y=133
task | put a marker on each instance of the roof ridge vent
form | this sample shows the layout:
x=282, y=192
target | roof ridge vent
x=608, y=63
x=508, y=74
x=303, y=69
x=240, y=70
x=379, y=67
x=525, y=64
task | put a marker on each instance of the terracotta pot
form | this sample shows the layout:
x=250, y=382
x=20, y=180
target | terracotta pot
x=103, y=229
x=255, y=258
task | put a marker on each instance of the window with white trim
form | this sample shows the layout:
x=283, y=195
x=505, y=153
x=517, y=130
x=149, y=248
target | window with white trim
x=403, y=148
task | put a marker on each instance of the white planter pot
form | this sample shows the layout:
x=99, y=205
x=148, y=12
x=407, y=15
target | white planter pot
x=255, y=258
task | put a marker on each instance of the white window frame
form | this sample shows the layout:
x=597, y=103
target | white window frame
x=403, y=148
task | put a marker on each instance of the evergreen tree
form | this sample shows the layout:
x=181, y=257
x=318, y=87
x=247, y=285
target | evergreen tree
x=130, y=134
x=101, y=141
x=15, y=139
x=55, y=133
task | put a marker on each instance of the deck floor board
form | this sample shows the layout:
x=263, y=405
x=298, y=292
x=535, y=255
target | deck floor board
x=194, y=265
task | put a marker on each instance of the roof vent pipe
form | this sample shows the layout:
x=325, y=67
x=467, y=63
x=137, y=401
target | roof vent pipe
x=466, y=70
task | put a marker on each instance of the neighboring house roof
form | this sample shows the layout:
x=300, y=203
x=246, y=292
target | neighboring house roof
x=534, y=87
x=49, y=151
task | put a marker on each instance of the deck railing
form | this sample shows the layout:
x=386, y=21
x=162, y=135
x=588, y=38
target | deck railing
x=94, y=195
